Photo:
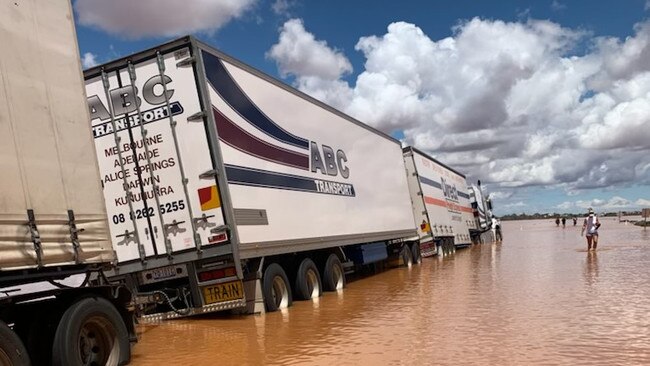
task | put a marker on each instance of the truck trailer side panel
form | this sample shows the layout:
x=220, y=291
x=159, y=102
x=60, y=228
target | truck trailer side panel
x=446, y=199
x=46, y=155
x=301, y=175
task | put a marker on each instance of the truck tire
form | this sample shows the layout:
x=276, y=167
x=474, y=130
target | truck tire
x=12, y=350
x=405, y=256
x=415, y=251
x=308, y=282
x=277, y=292
x=333, y=274
x=91, y=332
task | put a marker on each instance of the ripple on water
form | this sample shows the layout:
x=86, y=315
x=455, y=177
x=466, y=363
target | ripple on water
x=536, y=299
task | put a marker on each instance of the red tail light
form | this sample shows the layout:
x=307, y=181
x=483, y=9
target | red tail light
x=216, y=274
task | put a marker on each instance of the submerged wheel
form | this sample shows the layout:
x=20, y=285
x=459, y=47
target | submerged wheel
x=333, y=274
x=448, y=247
x=451, y=245
x=277, y=292
x=91, y=332
x=415, y=251
x=406, y=257
x=12, y=350
x=308, y=283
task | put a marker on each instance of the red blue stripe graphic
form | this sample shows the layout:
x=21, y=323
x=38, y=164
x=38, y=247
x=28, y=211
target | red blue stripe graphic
x=229, y=90
x=263, y=178
x=241, y=140
x=435, y=184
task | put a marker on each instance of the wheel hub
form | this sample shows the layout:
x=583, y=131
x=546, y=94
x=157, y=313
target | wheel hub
x=313, y=287
x=279, y=293
x=96, y=341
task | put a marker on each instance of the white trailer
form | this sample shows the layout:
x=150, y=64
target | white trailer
x=441, y=206
x=52, y=216
x=225, y=187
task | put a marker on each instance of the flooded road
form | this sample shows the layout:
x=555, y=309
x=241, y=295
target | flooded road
x=536, y=298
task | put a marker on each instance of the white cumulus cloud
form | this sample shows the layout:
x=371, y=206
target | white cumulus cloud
x=299, y=53
x=281, y=7
x=567, y=205
x=88, y=60
x=155, y=18
x=612, y=203
x=642, y=202
x=515, y=104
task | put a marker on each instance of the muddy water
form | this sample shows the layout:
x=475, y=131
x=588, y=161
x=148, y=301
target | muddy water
x=537, y=298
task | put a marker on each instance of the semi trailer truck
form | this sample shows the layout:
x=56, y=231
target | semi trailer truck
x=53, y=222
x=487, y=228
x=227, y=189
x=441, y=207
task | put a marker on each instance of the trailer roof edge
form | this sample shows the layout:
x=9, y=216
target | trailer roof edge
x=191, y=40
x=411, y=148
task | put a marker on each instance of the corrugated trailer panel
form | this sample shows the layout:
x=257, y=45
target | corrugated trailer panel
x=46, y=154
x=316, y=177
x=446, y=199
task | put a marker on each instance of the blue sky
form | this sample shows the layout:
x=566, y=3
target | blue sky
x=544, y=101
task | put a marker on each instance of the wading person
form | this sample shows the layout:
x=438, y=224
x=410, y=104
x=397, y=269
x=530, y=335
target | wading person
x=591, y=225
x=557, y=222
x=564, y=222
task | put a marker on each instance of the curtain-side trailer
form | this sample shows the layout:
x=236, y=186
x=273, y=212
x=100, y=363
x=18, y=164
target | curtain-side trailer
x=52, y=215
x=441, y=206
x=226, y=188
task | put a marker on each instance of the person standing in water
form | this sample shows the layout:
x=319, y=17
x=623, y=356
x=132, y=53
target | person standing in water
x=563, y=222
x=591, y=225
x=575, y=220
x=557, y=221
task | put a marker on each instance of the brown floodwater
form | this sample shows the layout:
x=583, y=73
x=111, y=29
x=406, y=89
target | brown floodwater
x=537, y=298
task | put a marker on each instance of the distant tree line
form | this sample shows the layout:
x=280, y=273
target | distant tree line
x=541, y=216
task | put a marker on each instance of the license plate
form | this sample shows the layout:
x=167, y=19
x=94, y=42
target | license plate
x=223, y=292
x=163, y=273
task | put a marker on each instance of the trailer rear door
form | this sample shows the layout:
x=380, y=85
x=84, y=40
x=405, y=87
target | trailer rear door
x=158, y=176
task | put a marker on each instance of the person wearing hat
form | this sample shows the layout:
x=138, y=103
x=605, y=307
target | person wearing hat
x=591, y=225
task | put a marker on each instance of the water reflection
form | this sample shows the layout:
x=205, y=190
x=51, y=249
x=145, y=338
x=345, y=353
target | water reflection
x=591, y=268
x=536, y=298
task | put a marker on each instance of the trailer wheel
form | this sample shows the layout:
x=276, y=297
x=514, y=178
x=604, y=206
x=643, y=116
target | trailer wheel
x=308, y=282
x=417, y=255
x=333, y=274
x=91, y=332
x=277, y=293
x=406, y=257
x=12, y=350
